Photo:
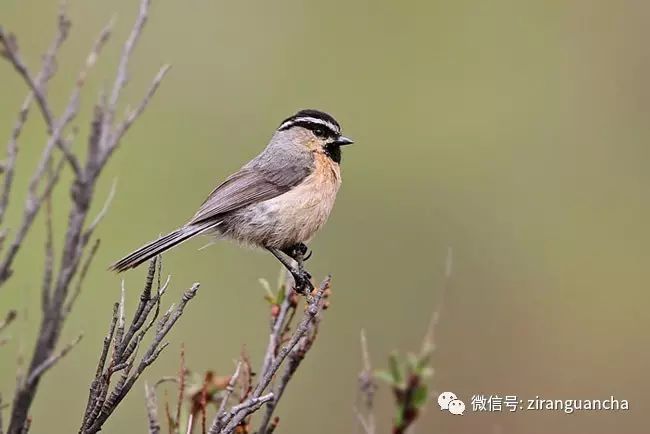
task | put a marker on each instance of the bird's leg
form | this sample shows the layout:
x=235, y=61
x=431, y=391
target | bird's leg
x=300, y=276
x=298, y=251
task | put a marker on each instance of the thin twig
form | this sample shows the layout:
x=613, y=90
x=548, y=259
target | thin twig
x=102, y=402
x=34, y=201
x=429, y=337
x=279, y=326
x=152, y=408
x=48, y=268
x=49, y=61
x=229, y=388
x=163, y=380
x=82, y=277
x=11, y=53
x=39, y=370
x=9, y=50
x=221, y=412
x=131, y=117
x=32, y=206
x=239, y=412
x=181, y=385
x=313, y=308
x=97, y=386
x=365, y=424
x=9, y=318
x=121, y=77
x=367, y=387
x=295, y=358
x=102, y=213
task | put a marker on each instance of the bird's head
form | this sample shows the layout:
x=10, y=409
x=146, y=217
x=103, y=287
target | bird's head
x=314, y=131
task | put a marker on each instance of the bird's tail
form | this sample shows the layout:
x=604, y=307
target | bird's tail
x=159, y=246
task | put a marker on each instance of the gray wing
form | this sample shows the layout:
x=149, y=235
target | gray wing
x=247, y=186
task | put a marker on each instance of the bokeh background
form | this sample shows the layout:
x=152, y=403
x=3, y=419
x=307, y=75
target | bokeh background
x=515, y=133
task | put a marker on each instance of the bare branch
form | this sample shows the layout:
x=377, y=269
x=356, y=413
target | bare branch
x=24, y=429
x=121, y=77
x=221, y=415
x=11, y=53
x=365, y=424
x=133, y=115
x=152, y=409
x=97, y=387
x=367, y=387
x=229, y=389
x=102, y=401
x=57, y=281
x=39, y=370
x=54, y=128
x=102, y=213
x=315, y=305
x=9, y=50
x=32, y=206
x=295, y=358
x=82, y=277
x=241, y=411
x=280, y=323
x=48, y=267
x=48, y=70
x=12, y=153
x=429, y=337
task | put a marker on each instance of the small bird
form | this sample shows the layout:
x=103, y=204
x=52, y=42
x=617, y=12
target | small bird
x=277, y=201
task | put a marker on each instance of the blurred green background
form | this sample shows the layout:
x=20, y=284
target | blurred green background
x=516, y=133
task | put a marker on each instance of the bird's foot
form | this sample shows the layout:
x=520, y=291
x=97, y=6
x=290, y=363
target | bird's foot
x=302, y=280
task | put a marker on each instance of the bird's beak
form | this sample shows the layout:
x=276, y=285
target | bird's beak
x=342, y=141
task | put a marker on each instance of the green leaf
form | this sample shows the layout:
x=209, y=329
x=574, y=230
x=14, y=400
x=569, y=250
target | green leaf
x=267, y=288
x=395, y=368
x=424, y=360
x=282, y=277
x=412, y=362
x=384, y=376
x=281, y=294
x=420, y=396
x=399, y=419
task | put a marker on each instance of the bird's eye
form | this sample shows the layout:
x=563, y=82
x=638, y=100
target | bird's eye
x=319, y=132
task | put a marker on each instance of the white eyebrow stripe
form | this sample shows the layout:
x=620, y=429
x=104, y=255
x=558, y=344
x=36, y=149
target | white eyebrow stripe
x=329, y=125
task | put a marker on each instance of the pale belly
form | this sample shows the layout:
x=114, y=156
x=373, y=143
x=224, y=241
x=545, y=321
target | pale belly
x=288, y=219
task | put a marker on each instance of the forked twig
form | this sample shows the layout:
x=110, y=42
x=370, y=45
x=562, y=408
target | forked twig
x=125, y=339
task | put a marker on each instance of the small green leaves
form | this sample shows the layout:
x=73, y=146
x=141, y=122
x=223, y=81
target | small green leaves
x=407, y=378
x=427, y=372
x=424, y=359
x=386, y=377
x=395, y=368
x=281, y=294
x=273, y=299
x=269, y=296
x=420, y=396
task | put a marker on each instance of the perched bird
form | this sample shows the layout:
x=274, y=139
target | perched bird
x=277, y=201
